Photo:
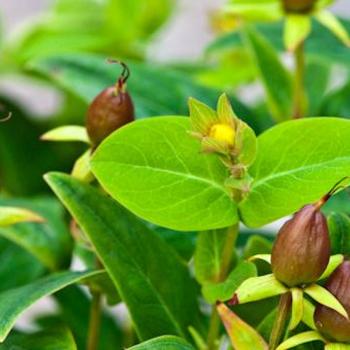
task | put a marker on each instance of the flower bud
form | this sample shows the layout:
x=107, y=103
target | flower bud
x=110, y=110
x=298, y=6
x=302, y=248
x=330, y=323
x=223, y=133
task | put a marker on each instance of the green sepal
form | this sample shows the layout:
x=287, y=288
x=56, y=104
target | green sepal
x=334, y=262
x=82, y=168
x=326, y=298
x=67, y=133
x=297, y=29
x=337, y=346
x=258, y=288
x=265, y=257
x=297, y=307
x=246, y=144
x=225, y=112
x=242, y=335
x=11, y=215
x=308, y=314
x=330, y=21
x=202, y=117
x=299, y=339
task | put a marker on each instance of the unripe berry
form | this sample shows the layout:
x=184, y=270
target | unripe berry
x=302, y=249
x=110, y=110
x=330, y=323
x=298, y=6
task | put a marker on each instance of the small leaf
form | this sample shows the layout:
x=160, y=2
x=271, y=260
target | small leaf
x=163, y=343
x=297, y=29
x=308, y=314
x=67, y=133
x=208, y=256
x=154, y=168
x=257, y=288
x=299, y=339
x=223, y=291
x=324, y=297
x=243, y=336
x=11, y=215
x=272, y=73
x=329, y=20
x=297, y=307
x=14, y=301
x=339, y=232
x=58, y=337
x=334, y=262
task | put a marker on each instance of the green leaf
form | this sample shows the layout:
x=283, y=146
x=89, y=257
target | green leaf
x=297, y=163
x=223, y=291
x=337, y=346
x=67, y=133
x=50, y=242
x=339, y=231
x=10, y=216
x=257, y=245
x=151, y=279
x=164, y=343
x=154, y=90
x=48, y=339
x=243, y=336
x=272, y=73
x=14, y=301
x=300, y=339
x=154, y=168
x=324, y=297
x=257, y=288
x=208, y=257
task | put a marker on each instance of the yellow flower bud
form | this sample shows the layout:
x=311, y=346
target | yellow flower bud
x=223, y=133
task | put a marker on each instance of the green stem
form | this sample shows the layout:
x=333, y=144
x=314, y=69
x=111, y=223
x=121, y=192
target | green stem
x=95, y=321
x=299, y=88
x=214, y=325
x=281, y=320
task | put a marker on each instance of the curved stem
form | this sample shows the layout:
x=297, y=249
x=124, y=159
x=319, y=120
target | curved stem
x=281, y=320
x=214, y=325
x=95, y=321
x=299, y=89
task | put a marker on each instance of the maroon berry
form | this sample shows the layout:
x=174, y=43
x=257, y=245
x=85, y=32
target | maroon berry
x=302, y=249
x=110, y=110
x=330, y=323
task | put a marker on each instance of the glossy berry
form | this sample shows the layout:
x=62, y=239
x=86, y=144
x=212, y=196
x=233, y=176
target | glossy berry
x=298, y=6
x=110, y=110
x=302, y=249
x=330, y=323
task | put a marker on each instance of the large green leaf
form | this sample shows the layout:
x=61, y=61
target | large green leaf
x=50, y=242
x=151, y=279
x=155, y=169
x=272, y=74
x=14, y=301
x=48, y=339
x=297, y=163
x=155, y=90
x=164, y=343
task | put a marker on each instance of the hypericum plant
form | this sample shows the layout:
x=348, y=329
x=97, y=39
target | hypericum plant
x=168, y=203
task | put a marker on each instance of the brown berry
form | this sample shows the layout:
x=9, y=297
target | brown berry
x=110, y=110
x=330, y=323
x=298, y=6
x=302, y=249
